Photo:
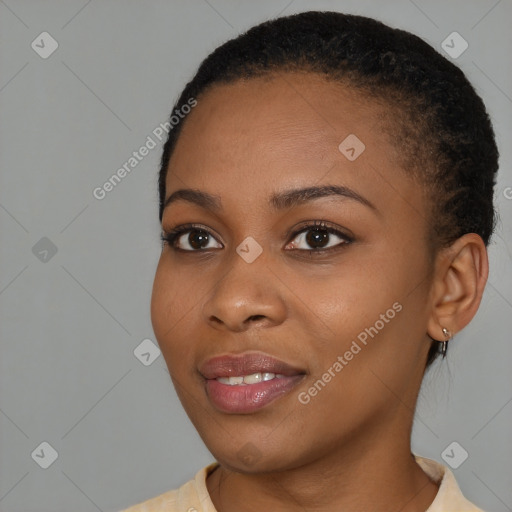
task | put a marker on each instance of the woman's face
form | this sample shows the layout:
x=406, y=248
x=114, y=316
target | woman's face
x=255, y=286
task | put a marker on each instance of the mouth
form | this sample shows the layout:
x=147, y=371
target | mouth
x=245, y=383
x=253, y=378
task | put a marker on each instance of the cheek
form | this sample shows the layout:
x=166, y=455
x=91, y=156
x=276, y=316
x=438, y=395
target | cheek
x=367, y=300
x=161, y=300
x=353, y=296
x=172, y=303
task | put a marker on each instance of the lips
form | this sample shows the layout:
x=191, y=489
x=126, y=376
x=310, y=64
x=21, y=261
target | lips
x=244, y=383
x=246, y=364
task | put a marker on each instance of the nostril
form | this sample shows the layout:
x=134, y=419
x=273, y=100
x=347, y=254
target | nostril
x=256, y=317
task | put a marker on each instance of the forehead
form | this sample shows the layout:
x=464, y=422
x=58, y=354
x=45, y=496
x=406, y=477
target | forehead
x=260, y=135
x=283, y=112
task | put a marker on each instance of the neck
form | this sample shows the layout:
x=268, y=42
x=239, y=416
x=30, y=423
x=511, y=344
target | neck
x=360, y=475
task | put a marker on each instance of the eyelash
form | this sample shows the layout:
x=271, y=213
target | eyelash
x=171, y=236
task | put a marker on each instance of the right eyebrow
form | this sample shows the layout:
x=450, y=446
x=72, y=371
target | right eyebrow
x=202, y=199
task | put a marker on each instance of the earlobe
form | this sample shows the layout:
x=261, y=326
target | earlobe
x=459, y=281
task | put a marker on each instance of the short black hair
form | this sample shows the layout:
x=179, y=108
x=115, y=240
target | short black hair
x=438, y=122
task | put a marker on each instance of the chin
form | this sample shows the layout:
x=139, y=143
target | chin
x=256, y=456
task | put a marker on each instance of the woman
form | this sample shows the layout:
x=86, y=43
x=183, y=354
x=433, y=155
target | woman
x=326, y=200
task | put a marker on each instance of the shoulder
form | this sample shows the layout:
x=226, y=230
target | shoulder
x=192, y=496
x=449, y=497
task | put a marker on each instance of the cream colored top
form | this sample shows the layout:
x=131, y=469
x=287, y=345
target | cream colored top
x=193, y=496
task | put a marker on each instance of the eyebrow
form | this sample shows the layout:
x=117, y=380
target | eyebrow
x=278, y=201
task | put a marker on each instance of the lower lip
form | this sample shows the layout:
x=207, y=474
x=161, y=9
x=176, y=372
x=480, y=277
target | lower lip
x=251, y=397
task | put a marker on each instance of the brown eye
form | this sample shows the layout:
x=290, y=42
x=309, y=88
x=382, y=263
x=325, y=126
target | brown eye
x=198, y=239
x=319, y=238
x=191, y=239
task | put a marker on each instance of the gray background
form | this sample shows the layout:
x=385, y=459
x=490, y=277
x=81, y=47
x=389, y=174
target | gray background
x=70, y=322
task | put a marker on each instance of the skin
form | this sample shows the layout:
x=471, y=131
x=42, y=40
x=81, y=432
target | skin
x=349, y=447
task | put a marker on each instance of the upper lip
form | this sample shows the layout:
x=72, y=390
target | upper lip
x=231, y=365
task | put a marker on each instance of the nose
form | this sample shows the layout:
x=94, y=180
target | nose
x=248, y=294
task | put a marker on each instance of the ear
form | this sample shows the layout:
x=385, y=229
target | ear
x=459, y=281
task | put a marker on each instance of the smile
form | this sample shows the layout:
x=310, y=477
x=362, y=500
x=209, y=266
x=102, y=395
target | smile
x=245, y=383
x=254, y=378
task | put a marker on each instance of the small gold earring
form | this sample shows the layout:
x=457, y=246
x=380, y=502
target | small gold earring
x=443, y=345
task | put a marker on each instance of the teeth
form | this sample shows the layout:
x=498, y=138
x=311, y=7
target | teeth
x=254, y=378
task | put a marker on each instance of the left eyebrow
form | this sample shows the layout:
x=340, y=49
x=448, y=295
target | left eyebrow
x=291, y=198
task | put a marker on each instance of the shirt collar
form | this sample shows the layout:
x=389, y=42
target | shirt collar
x=449, y=495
